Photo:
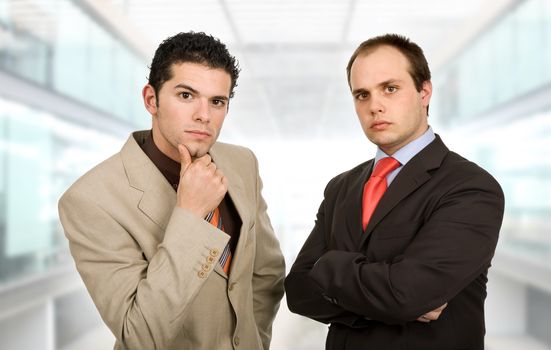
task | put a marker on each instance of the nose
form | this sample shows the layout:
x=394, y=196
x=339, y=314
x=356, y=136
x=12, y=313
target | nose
x=202, y=112
x=376, y=105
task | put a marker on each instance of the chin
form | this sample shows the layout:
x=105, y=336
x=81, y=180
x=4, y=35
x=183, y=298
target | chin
x=198, y=148
x=377, y=139
x=198, y=152
x=195, y=153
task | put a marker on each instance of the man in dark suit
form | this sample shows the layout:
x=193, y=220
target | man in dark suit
x=401, y=247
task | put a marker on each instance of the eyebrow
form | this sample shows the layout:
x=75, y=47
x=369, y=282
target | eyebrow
x=187, y=87
x=389, y=82
x=383, y=83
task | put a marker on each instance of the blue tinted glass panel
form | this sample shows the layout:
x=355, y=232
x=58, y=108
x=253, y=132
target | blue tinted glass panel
x=505, y=50
x=70, y=62
x=28, y=185
x=529, y=32
x=546, y=40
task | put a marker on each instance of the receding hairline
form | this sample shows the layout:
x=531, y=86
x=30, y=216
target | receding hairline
x=370, y=50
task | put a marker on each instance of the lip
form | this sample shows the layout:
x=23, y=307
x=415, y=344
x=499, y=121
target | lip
x=379, y=125
x=199, y=133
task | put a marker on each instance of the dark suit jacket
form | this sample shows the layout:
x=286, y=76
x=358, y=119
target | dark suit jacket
x=429, y=241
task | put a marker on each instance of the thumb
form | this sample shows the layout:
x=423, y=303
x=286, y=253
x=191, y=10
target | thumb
x=185, y=158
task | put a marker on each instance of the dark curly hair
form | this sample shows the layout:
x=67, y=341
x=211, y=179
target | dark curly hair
x=191, y=47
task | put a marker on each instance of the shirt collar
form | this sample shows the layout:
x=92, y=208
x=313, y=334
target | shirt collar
x=404, y=154
x=168, y=167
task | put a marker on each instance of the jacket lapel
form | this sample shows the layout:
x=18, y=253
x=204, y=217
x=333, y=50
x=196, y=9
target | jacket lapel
x=414, y=174
x=237, y=195
x=158, y=198
x=353, y=207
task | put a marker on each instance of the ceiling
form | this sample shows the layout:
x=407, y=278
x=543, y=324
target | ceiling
x=292, y=53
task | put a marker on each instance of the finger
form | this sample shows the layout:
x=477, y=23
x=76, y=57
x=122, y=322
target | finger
x=423, y=319
x=185, y=158
x=205, y=160
x=431, y=316
x=437, y=310
x=223, y=181
x=212, y=167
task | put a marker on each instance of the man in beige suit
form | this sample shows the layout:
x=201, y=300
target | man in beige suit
x=141, y=228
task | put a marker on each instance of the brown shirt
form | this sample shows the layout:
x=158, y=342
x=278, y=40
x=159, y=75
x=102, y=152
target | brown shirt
x=171, y=171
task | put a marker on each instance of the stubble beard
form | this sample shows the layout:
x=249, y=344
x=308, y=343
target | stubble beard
x=197, y=150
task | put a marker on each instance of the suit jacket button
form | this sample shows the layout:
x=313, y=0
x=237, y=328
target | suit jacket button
x=214, y=252
x=230, y=288
x=210, y=259
x=205, y=267
x=202, y=274
x=236, y=340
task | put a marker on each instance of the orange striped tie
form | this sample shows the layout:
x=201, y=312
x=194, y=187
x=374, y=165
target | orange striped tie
x=215, y=219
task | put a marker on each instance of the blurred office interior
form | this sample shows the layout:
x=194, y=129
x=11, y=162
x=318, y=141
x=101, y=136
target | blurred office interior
x=71, y=73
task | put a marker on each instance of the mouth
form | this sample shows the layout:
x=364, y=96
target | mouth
x=199, y=133
x=380, y=125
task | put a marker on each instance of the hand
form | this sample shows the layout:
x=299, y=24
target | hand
x=202, y=186
x=432, y=315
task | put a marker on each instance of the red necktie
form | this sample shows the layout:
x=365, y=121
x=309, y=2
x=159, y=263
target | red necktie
x=375, y=187
x=216, y=220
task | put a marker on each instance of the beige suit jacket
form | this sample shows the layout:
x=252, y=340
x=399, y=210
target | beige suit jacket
x=152, y=268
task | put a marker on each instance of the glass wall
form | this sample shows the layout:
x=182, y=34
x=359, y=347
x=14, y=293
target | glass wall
x=57, y=45
x=510, y=59
x=503, y=68
x=40, y=156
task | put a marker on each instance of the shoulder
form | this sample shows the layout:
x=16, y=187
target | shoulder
x=459, y=166
x=102, y=179
x=450, y=171
x=344, y=179
x=461, y=172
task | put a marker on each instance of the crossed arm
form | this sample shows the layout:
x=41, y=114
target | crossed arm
x=448, y=252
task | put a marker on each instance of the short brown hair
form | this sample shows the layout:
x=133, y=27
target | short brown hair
x=418, y=66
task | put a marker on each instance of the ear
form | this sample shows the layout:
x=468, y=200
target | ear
x=149, y=99
x=426, y=93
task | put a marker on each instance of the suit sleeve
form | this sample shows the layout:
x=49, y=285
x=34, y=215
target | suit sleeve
x=143, y=302
x=304, y=295
x=452, y=248
x=269, y=269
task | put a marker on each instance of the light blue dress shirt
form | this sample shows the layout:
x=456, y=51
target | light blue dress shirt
x=404, y=154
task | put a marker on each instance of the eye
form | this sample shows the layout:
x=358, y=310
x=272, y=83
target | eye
x=391, y=89
x=362, y=96
x=185, y=95
x=218, y=102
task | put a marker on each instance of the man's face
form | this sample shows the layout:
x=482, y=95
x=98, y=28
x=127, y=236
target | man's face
x=190, y=109
x=391, y=110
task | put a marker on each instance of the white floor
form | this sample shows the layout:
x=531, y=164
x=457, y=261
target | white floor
x=513, y=343
x=299, y=333
x=97, y=339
